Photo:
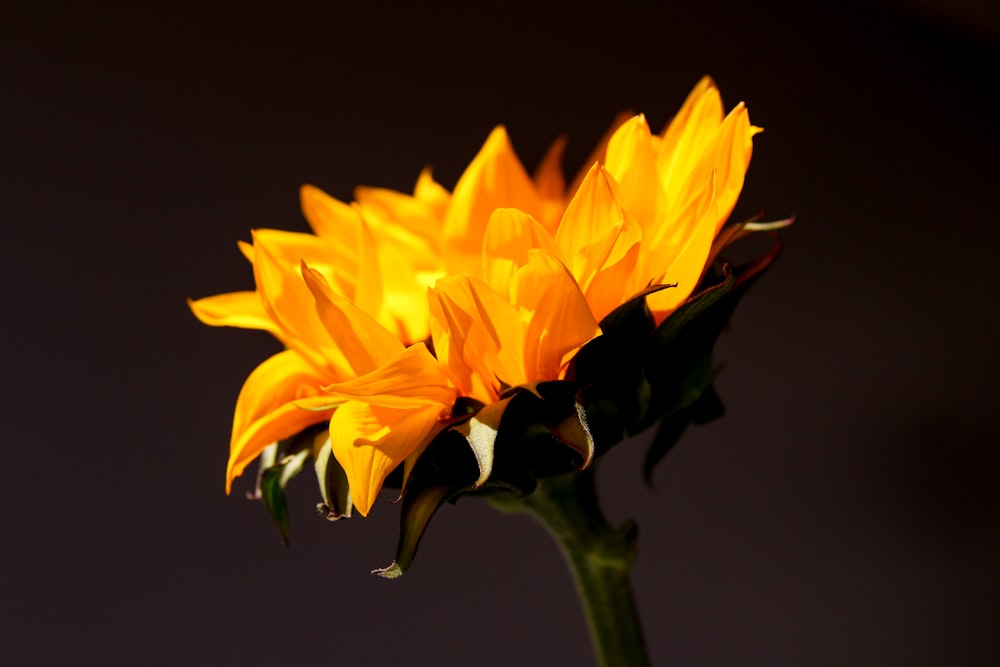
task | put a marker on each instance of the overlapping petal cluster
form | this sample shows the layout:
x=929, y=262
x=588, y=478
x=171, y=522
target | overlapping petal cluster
x=400, y=304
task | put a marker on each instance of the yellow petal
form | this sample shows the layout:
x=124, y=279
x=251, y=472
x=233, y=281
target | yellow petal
x=494, y=179
x=556, y=312
x=595, y=231
x=631, y=160
x=478, y=336
x=509, y=236
x=617, y=282
x=369, y=441
x=432, y=194
x=385, y=208
x=234, y=309
x=330, y=218
x=412, y=377
x=686, y=264
x=265, y=409
x=733, y=148
x=727, y=157
x=291, y=306
x=364, y=343
x=686, y=138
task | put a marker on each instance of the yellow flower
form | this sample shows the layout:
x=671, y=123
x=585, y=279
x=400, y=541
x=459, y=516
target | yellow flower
x=336, y=354
x=509, y=276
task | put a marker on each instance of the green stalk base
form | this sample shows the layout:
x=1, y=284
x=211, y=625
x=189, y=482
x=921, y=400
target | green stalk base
x=600, y=558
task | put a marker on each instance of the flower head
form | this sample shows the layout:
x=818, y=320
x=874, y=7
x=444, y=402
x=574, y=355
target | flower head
x=512, y=328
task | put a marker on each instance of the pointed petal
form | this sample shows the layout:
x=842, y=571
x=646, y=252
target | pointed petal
x=726, y=158
x=370, y=441
x=389, y=207
x=434, y=196
x=494, y=179
x=687, y=136
x=686, y=264
x=291, y=306
x=478, y=335
x=363, y=342
x=330, y=218
x=233, y=309
x=559, y=319
x=631, y=161
x=412, y=377
x=509, y=236
x=596, y=232
x=733, y=148
x=615, y=283
x=265, y=410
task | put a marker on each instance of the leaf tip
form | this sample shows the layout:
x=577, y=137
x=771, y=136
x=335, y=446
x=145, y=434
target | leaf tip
x=393, y=571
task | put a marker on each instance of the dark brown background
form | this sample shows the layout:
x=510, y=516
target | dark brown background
x=847, y=509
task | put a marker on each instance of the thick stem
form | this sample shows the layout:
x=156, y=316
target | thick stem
x=600, y=558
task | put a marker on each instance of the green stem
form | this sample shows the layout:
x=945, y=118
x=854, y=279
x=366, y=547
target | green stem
x=600, y=558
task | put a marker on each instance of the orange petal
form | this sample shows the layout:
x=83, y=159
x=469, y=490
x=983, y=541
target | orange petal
x=509, y=236
x=631, y=160
x=386, y=208
x=494, y=179
x=358, y=337
x=234, y=309
x=265, y=410
x=615, y=283
x=291, y=306
x=557, y=315
x=686, y=264
x=330, y=218
x=412, y=377
x=369, y=441
x=432, y=194
x=686, y=138
x=478, y=336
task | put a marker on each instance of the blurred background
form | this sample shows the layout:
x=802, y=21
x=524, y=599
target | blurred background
x=845, y=511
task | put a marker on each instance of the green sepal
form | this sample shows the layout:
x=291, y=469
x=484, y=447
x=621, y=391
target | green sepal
x=333, y=485
x=679, y=364
x=446, y=468
x=614, y=359
x=273, y=481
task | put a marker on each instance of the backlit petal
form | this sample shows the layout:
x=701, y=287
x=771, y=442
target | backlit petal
x=432, y=194
x=369, y=441
x=265, y=410
x=357, y=336
x=686, y=137
x=234, y=309
x=494, y=179
x=510, y=235
x=631, y=160
x=329, y=217
x=556, y=312
x=411, y=377
x=289, y=303
x=478, y=335
x=685, y=264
